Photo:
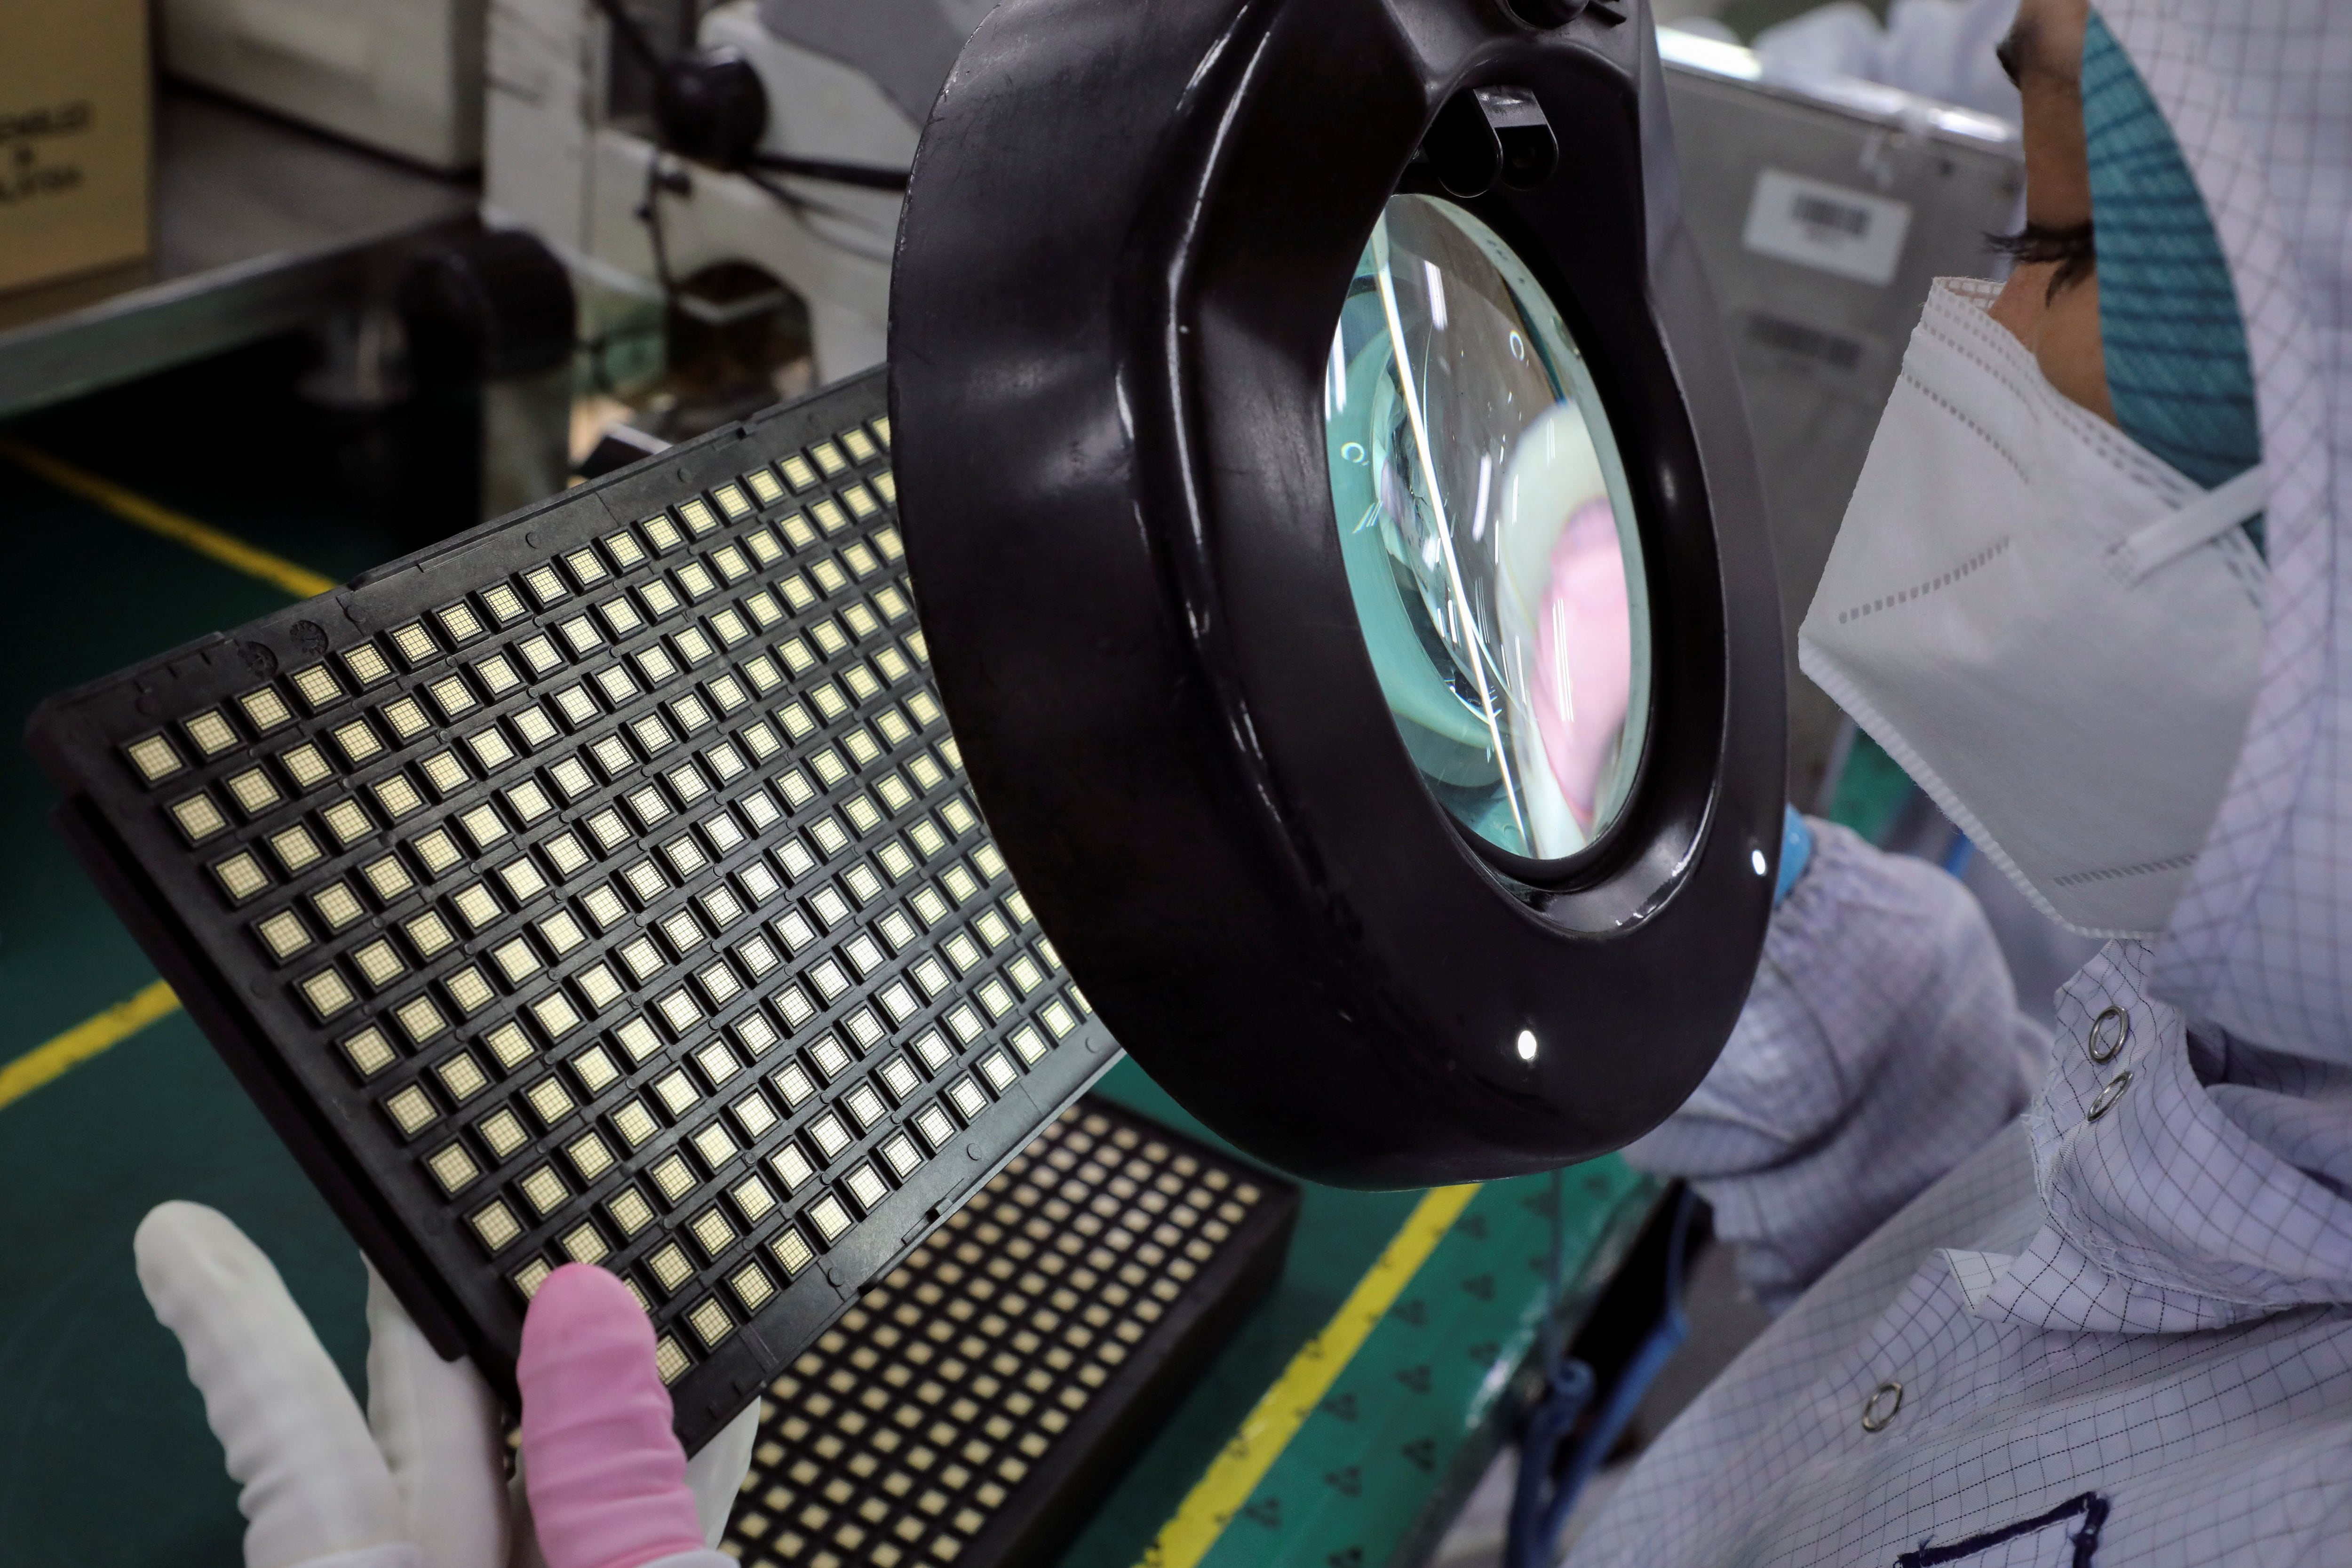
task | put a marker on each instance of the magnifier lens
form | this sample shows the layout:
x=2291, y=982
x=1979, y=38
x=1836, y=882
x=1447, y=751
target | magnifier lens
x=1488, y=533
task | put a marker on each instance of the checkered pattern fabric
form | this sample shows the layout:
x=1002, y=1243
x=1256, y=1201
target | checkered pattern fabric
x=2259, y=94
x=2140, y=1290
x=2147, y=1307
x=1859, y=1071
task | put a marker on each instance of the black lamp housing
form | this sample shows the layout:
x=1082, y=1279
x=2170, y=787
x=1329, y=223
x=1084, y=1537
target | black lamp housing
x=1127, y=241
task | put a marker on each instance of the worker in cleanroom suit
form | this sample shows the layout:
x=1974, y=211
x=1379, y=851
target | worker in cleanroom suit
x=2095, y=591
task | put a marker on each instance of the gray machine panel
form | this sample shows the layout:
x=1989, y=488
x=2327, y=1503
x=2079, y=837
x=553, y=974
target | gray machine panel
x=1823, y=207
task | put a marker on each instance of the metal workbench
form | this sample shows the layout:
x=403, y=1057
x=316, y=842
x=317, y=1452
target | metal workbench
x=260, y=226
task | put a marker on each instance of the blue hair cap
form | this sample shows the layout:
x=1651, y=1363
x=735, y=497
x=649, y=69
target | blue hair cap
x=2177, y=371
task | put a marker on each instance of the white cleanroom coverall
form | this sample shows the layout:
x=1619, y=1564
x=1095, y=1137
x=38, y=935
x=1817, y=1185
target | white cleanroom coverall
x=2121, y=1340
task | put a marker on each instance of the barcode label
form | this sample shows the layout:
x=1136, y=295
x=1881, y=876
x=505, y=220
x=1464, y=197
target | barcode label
x=1830, y=228
x=1833, y=348
x=1819, y=212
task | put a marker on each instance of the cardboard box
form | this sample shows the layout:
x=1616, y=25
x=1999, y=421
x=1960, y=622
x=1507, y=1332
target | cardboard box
x=76, y=144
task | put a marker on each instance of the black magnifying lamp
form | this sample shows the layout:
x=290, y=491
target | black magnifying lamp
x=1344, y=562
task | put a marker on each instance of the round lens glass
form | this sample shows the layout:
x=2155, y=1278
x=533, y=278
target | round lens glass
x=1488, y=533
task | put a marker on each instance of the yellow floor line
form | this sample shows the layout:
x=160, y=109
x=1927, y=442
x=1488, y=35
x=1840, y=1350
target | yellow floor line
x=85, y=1040
x=120, y=1022
x=202, y=538
x=1219, y=1493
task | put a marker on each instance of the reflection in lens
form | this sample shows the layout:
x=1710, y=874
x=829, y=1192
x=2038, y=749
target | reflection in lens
x=1487, y=532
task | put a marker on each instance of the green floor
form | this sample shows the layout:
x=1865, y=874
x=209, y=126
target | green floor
x=95, y=1411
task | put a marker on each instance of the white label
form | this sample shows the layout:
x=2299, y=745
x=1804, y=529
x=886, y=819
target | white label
x=1827, y=227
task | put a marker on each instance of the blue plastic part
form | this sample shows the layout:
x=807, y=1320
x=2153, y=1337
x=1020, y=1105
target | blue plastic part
x=1567, y=1388
x=1962, y=851
x=1796, y=852
x=1540, y=1504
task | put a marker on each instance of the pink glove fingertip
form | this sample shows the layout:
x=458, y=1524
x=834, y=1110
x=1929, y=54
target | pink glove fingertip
x=605, y=1474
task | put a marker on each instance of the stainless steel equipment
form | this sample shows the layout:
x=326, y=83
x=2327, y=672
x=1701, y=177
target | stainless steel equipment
x=1823, y=207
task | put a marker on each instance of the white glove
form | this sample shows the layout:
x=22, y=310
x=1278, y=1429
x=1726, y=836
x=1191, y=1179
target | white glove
x=420, y=1482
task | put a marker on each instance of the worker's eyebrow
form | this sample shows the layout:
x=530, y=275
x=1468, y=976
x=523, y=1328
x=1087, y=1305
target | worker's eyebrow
x=2024, y=52
x=2007, y=52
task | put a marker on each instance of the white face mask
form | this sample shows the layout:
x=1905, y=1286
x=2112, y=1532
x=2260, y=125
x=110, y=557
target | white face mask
x=2054, y=632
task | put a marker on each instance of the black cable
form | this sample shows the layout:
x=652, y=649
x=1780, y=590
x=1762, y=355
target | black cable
x=866, y=176
x=650, y=216
x=804, y=208
x=800, y=206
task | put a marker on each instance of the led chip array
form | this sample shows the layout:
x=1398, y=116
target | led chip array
x=928, y=1426
x=608, y=897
